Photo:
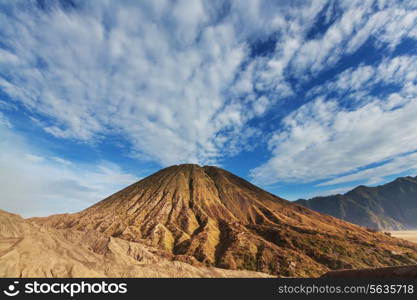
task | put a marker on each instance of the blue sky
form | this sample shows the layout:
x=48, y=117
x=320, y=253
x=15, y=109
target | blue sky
x=302, y=98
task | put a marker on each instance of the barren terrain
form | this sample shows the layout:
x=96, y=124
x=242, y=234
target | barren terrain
x=409, y=235
x=28, y=250
x=206, y=216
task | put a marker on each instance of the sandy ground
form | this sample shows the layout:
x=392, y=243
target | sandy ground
x=410, y=235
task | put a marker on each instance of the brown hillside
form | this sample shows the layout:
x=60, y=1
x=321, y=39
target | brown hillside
x=224, y=221
x=27, y=250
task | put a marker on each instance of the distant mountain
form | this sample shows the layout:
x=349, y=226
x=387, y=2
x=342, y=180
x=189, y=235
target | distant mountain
x=391, y=206
x=208, y=216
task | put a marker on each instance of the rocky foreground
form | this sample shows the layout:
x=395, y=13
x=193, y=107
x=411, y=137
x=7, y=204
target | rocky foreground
x=29, y=250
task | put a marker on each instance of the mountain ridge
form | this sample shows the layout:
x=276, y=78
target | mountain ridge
x=391, y=206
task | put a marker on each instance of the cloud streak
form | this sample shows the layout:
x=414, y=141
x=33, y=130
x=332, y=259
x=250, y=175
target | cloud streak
x=33, y=184
x=153, y=72
x=164, y=75
x=328, y=138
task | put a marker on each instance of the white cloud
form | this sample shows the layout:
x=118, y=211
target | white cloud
x=323, y=139
x=355, y=86
x=399, y=70
x=327, y=138
x=36, y=185
x=400, y=164
x=261, y=105
x=62, y=161
x=316, y=54
x=33, y=158
x=4, y=121
x=167, y=75
x=388, y=26
x=154, y=73
x=159, y=73
x=356, y=25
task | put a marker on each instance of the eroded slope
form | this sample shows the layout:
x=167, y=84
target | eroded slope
x=224, y=221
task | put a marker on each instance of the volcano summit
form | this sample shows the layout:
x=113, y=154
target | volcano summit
x=206, y=215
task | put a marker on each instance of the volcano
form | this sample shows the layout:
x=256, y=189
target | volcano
x=208, y=216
